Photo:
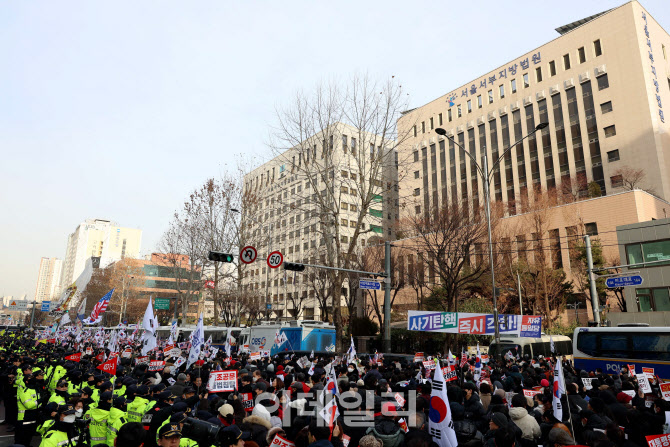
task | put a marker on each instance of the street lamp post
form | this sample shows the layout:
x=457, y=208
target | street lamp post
x=267, y=268
x=486, y=178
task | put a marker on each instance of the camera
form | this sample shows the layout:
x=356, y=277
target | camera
x=204, y=433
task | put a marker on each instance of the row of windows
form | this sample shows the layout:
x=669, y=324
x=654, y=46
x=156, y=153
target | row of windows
x=581, y=55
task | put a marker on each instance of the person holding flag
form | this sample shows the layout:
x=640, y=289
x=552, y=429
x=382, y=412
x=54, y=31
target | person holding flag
x=440, y=424
x=197, y=340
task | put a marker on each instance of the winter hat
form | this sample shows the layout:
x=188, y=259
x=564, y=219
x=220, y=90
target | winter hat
x=370, y=441
x=262, y=412
x=499, y=419
x=623, y=398
x=272, y=432
x=544, y=383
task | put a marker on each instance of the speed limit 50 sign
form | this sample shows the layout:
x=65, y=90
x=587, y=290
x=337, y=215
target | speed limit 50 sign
x=275, y=259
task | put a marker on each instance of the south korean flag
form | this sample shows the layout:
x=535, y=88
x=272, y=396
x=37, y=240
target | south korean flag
x=440, y=425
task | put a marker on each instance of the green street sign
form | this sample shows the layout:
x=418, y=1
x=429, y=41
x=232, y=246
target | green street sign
x=162, y=304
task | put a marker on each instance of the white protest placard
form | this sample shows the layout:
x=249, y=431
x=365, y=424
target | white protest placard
x=304, y=362
x=665, y=391
x=255, y=356
x=587, y=383
x=631, y=393
x=530, y=393
x=156, y=365
x=398, y=398
x=174, y=352
x=222, y=381
x=141, y=360
x=643, y=382
x=418, y=357
x=345, y=440
x=279, y=441
x=127, y=353
x=429, y=365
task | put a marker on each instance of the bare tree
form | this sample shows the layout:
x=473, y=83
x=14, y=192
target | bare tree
x=449, y=240
x=341, y=143
x=631, y=178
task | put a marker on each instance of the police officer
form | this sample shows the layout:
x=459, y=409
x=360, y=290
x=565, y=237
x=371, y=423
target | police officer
x=60, y=395
x=28, y=404
x=138, y=406
x=62, y=432
x=169, y=436
x=117, y=417
x=98, y=418
x=155, y=416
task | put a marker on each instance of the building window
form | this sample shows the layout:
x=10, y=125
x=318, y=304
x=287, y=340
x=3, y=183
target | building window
x=431, y=124
x=439, y=118
x=345, y=222
x=538, y=74
x=344, y=142
x=591, y=228
x=552, y=68
x=416, y=174
x=603, y=82
x=596, y=48
x=606, y=107
x=469, y=106
x=617, y=181
x=460, y=114
x=416, y=155
x=643, y=252
x=417, y=209
x=653, y=300
x=415, y=130
x=344, y=239
x=566, y=61
x=665, y=56
x=449, y=115
x=613, y=155
x=526, y=82
x=344, y=206
x=513, y=85
x=417, y=192
x=582, y=55
x=423, y=127
x=610, y=131
x=479, y=99
x=502, y=91
x=490, y=96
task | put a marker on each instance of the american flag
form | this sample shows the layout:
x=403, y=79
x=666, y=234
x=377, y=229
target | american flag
x=100, y=306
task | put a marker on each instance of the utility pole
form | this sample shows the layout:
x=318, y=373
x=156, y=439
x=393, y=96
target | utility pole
x=592, y=281
x=32, y=315
x=387, y=296
x=518, y=282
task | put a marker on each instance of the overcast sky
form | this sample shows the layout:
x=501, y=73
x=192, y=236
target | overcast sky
x=116, y=110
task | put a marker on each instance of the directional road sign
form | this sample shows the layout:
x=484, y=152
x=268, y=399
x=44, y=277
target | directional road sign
x=18, y=305
x=248, y=254
x=369, y=284
x=623, y=281
x=46, y=306
x=162, y=304
x=275, y=259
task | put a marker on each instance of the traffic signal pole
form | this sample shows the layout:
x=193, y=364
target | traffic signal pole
x=387, y=296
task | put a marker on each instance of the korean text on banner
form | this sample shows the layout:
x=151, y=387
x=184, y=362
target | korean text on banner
x=222, y=381
x=643, y=383
x=248, y=402
x=474, y=323
x=279, y=441
x=658, y=440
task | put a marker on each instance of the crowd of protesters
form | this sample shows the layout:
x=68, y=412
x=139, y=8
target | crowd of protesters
x=51, y=401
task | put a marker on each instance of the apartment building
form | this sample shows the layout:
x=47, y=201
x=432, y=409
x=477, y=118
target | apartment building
x=340, y=183
x=98, y=238
x=48, y=279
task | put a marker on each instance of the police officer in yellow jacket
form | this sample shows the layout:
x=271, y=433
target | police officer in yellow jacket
x=63, y=432
x=138, y=406
x=28, y=399
x=117, y=417
x=99, y=418
x=60, y=395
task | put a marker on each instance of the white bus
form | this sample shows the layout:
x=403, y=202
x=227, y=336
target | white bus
x=610, y=348
x=532, y=347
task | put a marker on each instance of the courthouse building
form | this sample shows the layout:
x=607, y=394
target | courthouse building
x=603, y=88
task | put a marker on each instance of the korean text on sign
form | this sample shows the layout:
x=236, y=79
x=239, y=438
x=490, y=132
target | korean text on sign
x=222, y=381
x=279, y=441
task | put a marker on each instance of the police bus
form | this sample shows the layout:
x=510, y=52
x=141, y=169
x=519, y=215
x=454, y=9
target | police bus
x=610, y=348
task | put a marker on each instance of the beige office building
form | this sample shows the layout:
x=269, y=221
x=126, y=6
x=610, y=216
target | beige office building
x=602, y=86
x=344, y=165
x=98, y=238
x=48, y=279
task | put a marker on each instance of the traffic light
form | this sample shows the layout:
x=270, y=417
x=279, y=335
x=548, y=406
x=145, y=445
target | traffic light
x=294, y=267
x=217, y=256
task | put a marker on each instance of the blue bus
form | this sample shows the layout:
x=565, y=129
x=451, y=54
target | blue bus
x=610, y=348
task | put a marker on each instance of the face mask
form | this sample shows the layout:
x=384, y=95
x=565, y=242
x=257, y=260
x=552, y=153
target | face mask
x=350, y=370
x=79, y=412
x=69, y=419
x=255, y=379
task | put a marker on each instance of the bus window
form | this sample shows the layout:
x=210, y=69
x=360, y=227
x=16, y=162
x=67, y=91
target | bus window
x=588, y=343
x=564, y=347
x=527, y=351
x=651, y=347
x=539, y=349
x=614, y=345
